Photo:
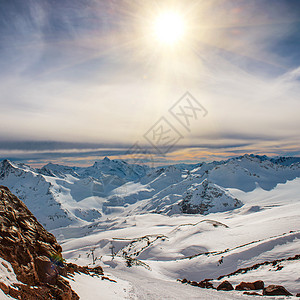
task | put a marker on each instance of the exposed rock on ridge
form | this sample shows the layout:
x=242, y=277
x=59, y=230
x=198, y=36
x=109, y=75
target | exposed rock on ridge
x=33, y=252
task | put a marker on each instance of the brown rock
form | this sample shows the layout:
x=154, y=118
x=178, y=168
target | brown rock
x=64, y=292
x=107, y=278
x=24, y=238
x=194, y=283
x=256, y=285
x=276, y=290
x=225, y=286
x=205, y=284
x=46, y=270
x=96, y=270
x=33, y=253
x=4, y=288
x=259, y=284
x=298, y=295
x=21, y=291
x=72, y=268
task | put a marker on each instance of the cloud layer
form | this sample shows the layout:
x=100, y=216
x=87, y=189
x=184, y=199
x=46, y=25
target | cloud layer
x=88, y=72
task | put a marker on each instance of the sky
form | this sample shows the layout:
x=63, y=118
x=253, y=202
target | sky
x=85, y=79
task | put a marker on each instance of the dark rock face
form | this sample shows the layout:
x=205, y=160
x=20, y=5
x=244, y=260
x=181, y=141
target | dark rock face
x=225, y=286
x=276, y=290
x=259, y=284
x=45, y=270
x=33, y=252
x=206, y=195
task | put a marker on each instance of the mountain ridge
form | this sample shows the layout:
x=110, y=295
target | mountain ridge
x=66, y=196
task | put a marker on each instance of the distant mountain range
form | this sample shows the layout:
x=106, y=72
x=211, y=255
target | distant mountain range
x=60, y=196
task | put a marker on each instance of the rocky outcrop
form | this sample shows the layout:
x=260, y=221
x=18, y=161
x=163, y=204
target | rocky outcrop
x=72, y=269
x=33, y=253
x=259, y=284
x=205, y=284
x=225, y=286
x=243, y=286
x=276, y=290
x=206, y=197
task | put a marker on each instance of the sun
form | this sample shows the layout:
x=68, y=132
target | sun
x=169, y=28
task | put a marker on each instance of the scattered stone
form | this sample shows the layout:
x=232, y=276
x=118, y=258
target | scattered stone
x=256, y=266
x=72, y=269
x=107, y=278
x=205, y=284
x=194, y=283
x=298, y=295
x=184, y=280
x=276, y=290
x=225, y=286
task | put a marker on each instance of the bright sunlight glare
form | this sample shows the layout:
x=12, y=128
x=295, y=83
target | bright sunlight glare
x=169, y=28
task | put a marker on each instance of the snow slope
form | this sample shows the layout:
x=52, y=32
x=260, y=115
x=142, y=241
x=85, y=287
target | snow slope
x=266, y=228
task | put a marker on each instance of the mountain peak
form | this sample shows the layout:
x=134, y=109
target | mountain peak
x=6, y=162
x=5, y=167
x=206, y=197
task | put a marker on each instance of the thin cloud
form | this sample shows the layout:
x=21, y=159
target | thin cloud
x=84, y=74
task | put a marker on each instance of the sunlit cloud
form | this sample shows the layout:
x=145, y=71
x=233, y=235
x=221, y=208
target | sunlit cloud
x=94, y=73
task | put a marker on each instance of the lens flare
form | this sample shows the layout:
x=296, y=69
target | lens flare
x=169, y=28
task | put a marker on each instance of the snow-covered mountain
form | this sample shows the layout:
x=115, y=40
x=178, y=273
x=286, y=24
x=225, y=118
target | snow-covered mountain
x=189, y=196
x=236, y=219
x=61, y=196
x=246, y=172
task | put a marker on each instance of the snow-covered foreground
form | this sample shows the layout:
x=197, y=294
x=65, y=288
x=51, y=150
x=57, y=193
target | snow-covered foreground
x=266, y=228
x=138, y=286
